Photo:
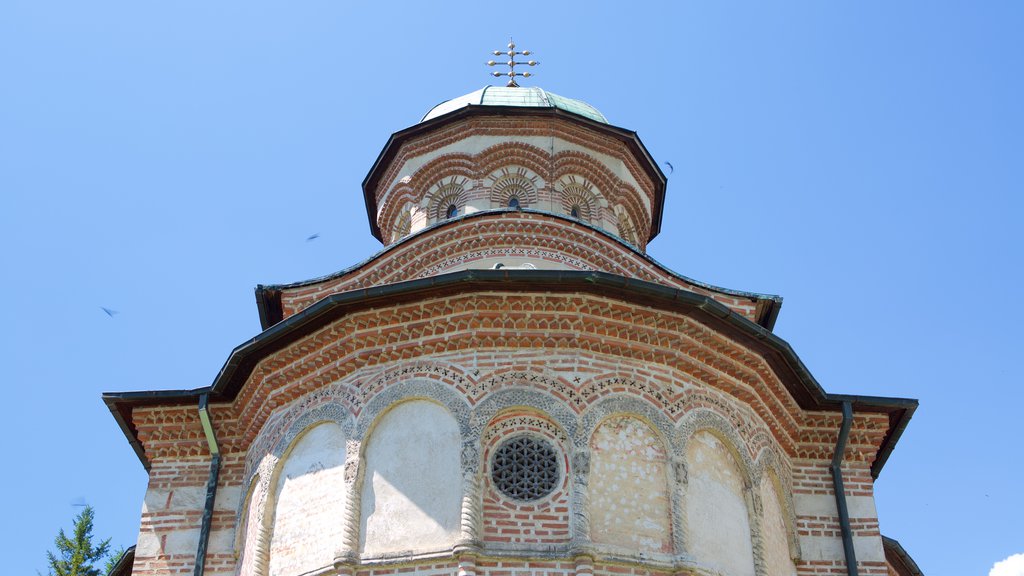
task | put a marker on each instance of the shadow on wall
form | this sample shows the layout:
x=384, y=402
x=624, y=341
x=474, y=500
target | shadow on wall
x=412, y=487
x=309, y=501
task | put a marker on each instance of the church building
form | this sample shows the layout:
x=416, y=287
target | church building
x=511, y=387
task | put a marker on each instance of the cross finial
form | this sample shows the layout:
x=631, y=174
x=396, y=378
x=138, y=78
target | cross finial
x=511, y=53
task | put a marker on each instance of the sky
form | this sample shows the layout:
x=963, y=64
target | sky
x=863, y=160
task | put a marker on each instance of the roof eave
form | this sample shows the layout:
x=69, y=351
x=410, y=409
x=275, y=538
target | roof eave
x=268, y=297
x=895, y=551
x=777, y=352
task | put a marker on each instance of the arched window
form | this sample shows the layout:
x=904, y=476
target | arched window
x=446, y=199
x=580, y=200
x=513, y=187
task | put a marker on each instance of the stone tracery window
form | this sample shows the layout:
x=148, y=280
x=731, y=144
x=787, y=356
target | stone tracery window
x=525, y=468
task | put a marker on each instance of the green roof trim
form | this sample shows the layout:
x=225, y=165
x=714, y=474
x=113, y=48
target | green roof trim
x=525, y=97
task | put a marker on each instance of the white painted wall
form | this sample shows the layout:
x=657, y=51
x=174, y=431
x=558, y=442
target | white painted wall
x=309, y=503
x=629, y=499
x=718, y=526
x=412, y=488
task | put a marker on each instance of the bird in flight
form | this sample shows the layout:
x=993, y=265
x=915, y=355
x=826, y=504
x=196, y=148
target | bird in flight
x=670, y=168
x=313, y=237
x=109, y=311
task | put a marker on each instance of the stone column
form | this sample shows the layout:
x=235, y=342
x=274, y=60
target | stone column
x=677, y=488
x=756, y=510
x=470, y=517
x=263, y=517
x=347, y=556
x=580, y=482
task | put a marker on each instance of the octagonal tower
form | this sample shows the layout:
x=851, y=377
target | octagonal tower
x=502, y=148
x=511, y=386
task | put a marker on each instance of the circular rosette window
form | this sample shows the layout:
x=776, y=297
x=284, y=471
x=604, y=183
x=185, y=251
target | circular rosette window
x=525, y=468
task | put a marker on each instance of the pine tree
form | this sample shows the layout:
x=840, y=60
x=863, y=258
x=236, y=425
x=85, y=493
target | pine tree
x=76, y=555
x=112, y=560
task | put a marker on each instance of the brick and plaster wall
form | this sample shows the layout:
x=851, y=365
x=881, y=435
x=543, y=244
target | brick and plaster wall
x=547, y=164
x=510, y=239
x=508, y=523
x=343, y=431
x=388, y=439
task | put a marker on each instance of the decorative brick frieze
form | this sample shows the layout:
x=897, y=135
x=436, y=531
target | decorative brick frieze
x=323, y=359
x=515, y=131
x=561, y=242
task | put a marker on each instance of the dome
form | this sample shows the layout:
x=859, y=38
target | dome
x=528, y=96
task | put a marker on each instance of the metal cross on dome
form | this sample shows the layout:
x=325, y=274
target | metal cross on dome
x=511, y=53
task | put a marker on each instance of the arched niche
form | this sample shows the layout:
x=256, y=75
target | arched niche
x=717, y=517
x=308, y=502
x=412, y=487
x=542, y=518
x=629, y=502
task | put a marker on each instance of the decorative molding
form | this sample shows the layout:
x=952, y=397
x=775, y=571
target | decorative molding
x=419, y=388
x=621, y=405
x=500, y=400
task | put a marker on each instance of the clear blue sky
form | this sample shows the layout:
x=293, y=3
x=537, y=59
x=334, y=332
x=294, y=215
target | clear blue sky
x=862, y=160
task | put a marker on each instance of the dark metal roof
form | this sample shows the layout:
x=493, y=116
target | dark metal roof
x=268, y=298
x=628, y=137
x=124, y=564
x=777, y=352
x=898, y=558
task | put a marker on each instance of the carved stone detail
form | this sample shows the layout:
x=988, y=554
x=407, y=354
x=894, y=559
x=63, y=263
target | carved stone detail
x=348, y=550
x=419, y=388
x=580, y=498
x=500, y=400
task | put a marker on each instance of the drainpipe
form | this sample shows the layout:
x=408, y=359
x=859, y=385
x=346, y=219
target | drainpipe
x=211, y=484
x=837, y=480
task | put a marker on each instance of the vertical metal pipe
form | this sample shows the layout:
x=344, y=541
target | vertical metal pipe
x=211, y=484
x=837, y=481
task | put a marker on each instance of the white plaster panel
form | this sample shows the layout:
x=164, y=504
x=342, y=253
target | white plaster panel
x=182, y=542
x=221, y=542
x=309, y=502
x=825, y=505
x=718, y=526
x=148, y=545
x=155, y=500
x=228, y=498
x=629, y=500
x=774, y=533
x=867, y=549
x=188, y=498
x=412, y=490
